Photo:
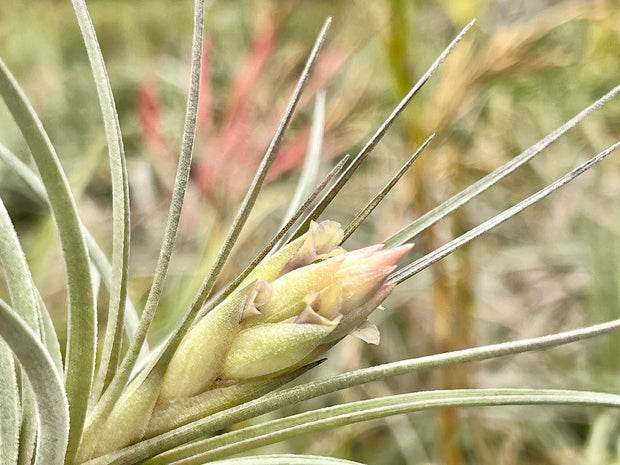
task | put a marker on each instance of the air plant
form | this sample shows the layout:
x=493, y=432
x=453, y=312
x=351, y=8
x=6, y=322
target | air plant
x=234, y=350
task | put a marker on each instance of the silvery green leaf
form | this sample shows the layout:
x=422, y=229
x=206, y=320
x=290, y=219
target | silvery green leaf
x=270, y=432
x=46, y=384
x=110, y=353
x=270, y=402
x=10, y=414
x=285, y=459
x=81, y=337
x=16, y=272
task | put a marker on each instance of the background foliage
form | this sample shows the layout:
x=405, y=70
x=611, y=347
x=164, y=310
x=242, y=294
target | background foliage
x=524, y=69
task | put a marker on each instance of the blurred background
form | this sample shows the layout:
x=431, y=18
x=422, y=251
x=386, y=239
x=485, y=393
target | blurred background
x=524, y=69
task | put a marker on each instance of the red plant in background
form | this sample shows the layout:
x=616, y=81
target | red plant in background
x=229, y=150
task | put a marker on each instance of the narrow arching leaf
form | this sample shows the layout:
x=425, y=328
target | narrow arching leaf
x=18, y=420
x=246, y=205
x=9, y=407
x=120, y=204
x=46, y=384
x=180, y=184
x=345, y=414
x=97, y=256
x=250, y=198
x=374, y=140
x=16, y=272
x=285, y=459
x=376, y=200
x=216, y=422
x=29, y=421
x=463, y=239
x=427, y=220
x=80, y=359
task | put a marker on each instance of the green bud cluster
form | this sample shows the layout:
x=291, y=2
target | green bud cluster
x=290, y=309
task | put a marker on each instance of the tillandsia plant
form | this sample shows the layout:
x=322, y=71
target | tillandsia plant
x=234, y=350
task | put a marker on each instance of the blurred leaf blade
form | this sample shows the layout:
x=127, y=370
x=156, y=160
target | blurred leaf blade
x=10, y=413
x=120, y=203
x=46, y=383
x=81, y=338
x=310, y=169
x=345, y=414
x=207, y=426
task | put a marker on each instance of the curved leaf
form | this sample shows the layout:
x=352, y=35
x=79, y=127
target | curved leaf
x=46, y=384
x=330, y=417
x=80, y=359
x=110, y=353
x=97, y=256
x=207, y=426
x=285, y=459
x=9, y=407
x=16, y=272
x=119, y=381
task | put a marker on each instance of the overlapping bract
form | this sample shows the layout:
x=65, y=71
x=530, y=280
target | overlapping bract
x=291, y=304
x=290, y=309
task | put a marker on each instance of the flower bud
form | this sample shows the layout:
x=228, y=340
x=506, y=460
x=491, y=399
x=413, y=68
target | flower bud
x=319, y=243
x=291, y=309
x=363, y=272
x=359, y=273
x=289, y=291
x=270, y=348
x=196, y=363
